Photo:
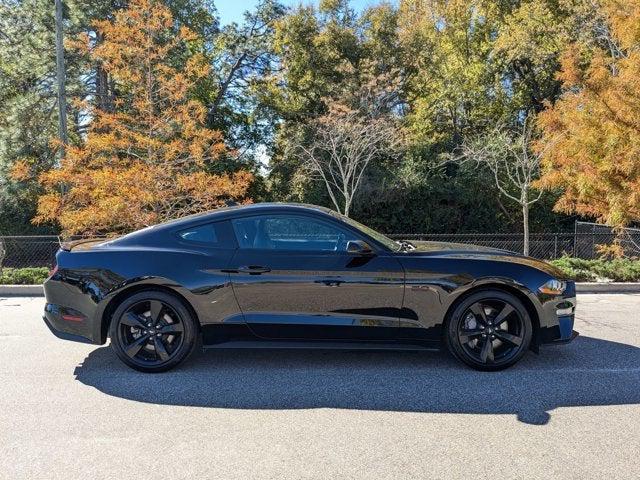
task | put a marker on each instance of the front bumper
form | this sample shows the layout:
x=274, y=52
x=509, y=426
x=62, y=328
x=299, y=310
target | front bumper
x=559, y=317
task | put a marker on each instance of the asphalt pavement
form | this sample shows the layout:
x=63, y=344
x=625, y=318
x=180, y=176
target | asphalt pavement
x=73, y=411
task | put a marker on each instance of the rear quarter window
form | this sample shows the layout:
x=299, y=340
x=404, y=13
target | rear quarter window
x=200, y=234
x=212, y=235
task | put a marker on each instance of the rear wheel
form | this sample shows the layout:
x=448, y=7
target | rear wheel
x=489, y=330
x=152, y=331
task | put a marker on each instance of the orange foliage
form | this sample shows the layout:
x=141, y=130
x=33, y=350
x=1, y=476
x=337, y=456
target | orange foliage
x=145, y=162
x=594, y=129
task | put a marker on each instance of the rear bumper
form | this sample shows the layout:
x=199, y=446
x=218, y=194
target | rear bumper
x=71, y=311
x=70, y=324
x=65, y=335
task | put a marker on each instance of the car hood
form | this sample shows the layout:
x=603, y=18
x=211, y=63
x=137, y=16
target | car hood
x=464, y=250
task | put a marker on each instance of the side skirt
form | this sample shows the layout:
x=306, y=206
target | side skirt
x=319, y=345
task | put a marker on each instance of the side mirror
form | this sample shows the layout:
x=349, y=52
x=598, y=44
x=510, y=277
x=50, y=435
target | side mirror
x=358, y=247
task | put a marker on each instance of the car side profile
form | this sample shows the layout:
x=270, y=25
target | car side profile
x=301, y=276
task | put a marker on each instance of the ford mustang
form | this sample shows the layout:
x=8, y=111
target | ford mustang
x=301, y=276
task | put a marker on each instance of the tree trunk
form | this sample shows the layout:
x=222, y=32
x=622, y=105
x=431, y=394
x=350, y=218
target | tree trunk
x=103, y=95
x=61, y=77
x=525, y=225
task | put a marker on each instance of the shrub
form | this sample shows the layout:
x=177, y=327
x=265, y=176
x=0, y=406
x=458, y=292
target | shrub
x=23, y=276
x=617, y=270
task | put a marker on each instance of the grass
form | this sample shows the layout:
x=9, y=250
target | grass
x=618, y=270
x=23, y=276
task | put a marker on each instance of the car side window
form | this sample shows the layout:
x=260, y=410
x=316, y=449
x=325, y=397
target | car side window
x=290, y=232
x=201, y=234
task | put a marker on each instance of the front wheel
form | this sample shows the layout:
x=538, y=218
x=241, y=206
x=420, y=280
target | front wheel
x=152, y=331
x=489, y=330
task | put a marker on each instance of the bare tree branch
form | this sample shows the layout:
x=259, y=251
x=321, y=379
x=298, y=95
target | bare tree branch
x=344, y=144
x=514, y=165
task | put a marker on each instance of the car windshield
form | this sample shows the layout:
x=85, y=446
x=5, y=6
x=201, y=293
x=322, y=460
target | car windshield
x=379, y=237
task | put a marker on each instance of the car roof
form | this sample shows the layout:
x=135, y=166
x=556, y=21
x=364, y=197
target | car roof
x=220, y=214
x=236, y=210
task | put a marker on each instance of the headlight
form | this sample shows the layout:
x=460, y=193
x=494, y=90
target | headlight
x=553, y=287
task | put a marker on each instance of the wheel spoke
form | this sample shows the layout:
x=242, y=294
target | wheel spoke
x=133, y=349
x=145, y=325
x=161, y=351
x=508, y=337
x=467, y=335
x=172, y=328
x=156, y=307
x=478, y=311
x=502, y=316
x=486, y=354
x=133, y=320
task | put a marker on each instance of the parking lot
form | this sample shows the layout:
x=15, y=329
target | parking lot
x=71, y=411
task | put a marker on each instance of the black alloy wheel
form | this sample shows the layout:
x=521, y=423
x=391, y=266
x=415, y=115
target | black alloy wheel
x=489, y=330
x=152, y=331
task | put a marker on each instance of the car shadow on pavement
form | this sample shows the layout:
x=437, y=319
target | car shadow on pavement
x=588, y=372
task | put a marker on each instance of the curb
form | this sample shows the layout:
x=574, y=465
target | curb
x=608, y=287
x=21, y=291
x=581, y=287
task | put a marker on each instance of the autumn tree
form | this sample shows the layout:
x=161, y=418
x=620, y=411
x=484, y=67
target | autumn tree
x=148, y=159
x=595, y=126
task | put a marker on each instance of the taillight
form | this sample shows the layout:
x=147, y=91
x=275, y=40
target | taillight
x=53, y=271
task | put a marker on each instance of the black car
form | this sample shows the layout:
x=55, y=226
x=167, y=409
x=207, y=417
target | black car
x=301, y=276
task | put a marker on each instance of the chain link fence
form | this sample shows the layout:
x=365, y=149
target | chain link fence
x=545, y=246
x=39, y=251
x=29, y=251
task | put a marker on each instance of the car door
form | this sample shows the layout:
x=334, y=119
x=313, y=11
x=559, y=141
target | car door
x=293, y=278
x=211, y=246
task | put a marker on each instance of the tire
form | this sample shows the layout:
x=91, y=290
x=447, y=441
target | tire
x=153, y=331
x=489, y=330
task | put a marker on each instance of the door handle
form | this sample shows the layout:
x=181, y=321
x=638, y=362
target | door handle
x=253, y=269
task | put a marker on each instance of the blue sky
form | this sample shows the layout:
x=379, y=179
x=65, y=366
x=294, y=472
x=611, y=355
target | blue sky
x=232, y=10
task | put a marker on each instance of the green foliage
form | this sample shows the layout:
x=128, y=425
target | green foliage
x=27, y=101
x=328, y=56
x=460, y=73
x=617, y=270
x=461, y=68
x=241, y=55
x=23, y=276
x=455, y=86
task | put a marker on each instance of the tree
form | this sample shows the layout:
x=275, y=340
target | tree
x=595, y=126
x=28, y=100
x=530, y=39
x=147, y=160
x=243, y=51
x=344, y=143
x=514, y=166
x=241, y=55
x=454, y=82
x=326, y=54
